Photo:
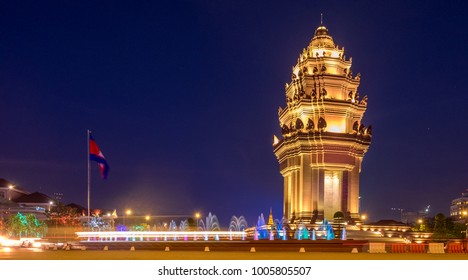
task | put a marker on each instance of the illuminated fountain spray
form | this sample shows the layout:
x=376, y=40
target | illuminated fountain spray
x=211, y=224
x=327, y=230
x=173, y=227
x=301, y=232
x=280, y=228
x=261, y=228
x=183, y=226
x=237, y=224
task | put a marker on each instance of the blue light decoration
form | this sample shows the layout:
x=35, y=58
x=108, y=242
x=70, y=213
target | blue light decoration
x=325, y=230
x=261, y=228
x=313, y=236
x=343, y=234
x=330, y=232
x=279, y=229
x=301, y=232
x=120, y=227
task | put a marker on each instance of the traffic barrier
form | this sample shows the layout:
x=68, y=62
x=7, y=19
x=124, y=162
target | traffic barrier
x=377, y=248
x=455, y=248
x=436, y=248
x=417, y=248
x=398, y=248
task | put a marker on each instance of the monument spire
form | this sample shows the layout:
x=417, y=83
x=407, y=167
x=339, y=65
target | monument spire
x=270, y=218
x=323, y=137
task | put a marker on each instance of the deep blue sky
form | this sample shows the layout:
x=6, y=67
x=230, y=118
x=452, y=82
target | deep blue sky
x=182, y=97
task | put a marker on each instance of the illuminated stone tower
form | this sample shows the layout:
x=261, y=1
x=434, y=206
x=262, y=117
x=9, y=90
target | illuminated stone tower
x=324, y=140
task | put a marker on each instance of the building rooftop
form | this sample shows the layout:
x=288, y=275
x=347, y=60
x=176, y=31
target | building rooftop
x=4, y=183
x=35, y=197
x=387, y=223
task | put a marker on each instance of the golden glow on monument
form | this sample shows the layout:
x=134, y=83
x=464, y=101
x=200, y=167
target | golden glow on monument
x=323, y=138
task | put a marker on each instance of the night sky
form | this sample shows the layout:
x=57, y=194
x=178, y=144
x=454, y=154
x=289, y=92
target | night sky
x=182, y=98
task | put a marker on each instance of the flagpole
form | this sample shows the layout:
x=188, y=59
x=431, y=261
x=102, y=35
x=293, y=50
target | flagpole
x=89, y=177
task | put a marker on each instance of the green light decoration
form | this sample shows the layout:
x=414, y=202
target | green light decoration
x=22, y=219
x=21, y=225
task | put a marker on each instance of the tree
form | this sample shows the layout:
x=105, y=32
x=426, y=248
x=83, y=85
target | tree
x=2, y=226
x=192, y=224
x=64, y=216
x=455, y=230
x=440, y=228
x=26, y=226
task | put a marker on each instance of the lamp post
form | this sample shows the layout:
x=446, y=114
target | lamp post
x=363, y=218
x=127, y=213
x=10, y=187
x=197, y=216
x=464, y=213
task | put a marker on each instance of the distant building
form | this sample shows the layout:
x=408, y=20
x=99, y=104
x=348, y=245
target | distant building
x=409, y=217
x=459, y=207
x=14, y=199
x=10, y=191
x=9, y=208
x=387, y=227
x=36, y=199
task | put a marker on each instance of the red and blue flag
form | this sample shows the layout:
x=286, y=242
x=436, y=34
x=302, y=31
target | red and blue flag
x=96, y=155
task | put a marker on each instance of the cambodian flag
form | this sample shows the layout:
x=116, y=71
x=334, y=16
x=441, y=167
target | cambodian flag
x=96, y=155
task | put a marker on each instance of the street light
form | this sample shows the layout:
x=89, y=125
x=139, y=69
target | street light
x=127, y=213
x=10, y=187
x=147, y=217
x=197, y=216
x=363, y=218
x=464, y=213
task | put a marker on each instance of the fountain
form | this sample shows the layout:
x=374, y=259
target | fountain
x=330, y=233
x=301, y=232
x=237, y=224
x=183, y=226
x=261, y=228
x=211, y=224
